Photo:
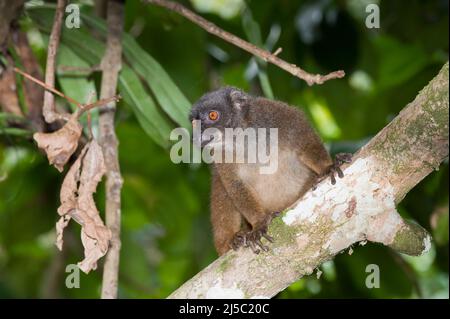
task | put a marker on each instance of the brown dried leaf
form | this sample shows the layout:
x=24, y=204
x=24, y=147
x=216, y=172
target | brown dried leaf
x=60, y=144
x=77, y=202
x=68, y=197
x=60, y=225
x=95, y=235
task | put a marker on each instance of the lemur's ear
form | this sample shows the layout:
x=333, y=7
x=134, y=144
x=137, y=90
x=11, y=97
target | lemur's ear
x=238, y=98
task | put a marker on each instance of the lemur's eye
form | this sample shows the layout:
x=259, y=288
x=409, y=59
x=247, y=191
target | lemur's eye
x=213, y=115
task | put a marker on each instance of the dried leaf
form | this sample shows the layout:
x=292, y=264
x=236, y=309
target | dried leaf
x=60, y=144
x=60, y=225
x=68, y=197
x=77, y=202
x=95, y=235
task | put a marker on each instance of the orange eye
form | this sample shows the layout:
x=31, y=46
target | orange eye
x=213, y=115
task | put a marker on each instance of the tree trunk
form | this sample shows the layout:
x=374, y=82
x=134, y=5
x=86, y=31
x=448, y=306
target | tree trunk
x=111, y=65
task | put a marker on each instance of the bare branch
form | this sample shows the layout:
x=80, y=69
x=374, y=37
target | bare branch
x=48, y=108
x=101, y=102
x=263, y=54
x=82, y=108
x=111, y=65
x=48, y=87
x=332, y=218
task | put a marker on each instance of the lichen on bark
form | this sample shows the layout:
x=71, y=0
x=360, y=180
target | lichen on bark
x=412, y=239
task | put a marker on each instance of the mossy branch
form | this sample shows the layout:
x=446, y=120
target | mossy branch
x=332, y=218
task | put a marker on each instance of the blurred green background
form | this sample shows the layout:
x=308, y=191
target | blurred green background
x=166, y=234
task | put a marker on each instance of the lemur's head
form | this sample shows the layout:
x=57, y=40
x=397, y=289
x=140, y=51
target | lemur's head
x=220, y=109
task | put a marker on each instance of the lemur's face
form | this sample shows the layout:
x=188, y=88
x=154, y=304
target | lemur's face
x=218, y=109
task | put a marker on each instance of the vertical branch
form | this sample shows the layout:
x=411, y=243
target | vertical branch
x=111, y=65
x=48, y=108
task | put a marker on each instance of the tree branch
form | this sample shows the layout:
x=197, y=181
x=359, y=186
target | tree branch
x=359, y=207
x=263, y=54
x=48, y=108
x=111, y=65
x=81, y=108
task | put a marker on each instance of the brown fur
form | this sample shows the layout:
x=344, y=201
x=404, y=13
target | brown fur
x=241, y=197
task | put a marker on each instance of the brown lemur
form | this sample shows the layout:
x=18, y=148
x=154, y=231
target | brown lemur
x=244, y=201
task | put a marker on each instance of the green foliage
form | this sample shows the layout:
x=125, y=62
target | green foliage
x=166, y=92
x=149, y=117
x=168, y=63
x=87, y=48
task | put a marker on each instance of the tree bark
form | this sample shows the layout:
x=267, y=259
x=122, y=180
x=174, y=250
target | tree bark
x=111, y=65
x=332, y=218
x=48, y=108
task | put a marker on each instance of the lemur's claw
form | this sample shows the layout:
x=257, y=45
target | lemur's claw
x=253, y=237
x=239, y=240
x=342, y=158
x=339, y=160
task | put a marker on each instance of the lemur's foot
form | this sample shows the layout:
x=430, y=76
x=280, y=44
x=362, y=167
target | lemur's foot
x=239, y=240
x=339, y=160
x=253, y=237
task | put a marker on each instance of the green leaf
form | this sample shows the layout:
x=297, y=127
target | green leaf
x=253, y=32
x=398, y=62
x=87, y=48
x=166, y=92
x=130, y=87
x=226, y=9
x=9, y=116
x=150, y=119
x=77, y=85
x=74, y=84
x=15, y=131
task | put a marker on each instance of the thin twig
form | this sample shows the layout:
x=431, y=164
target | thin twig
x=82, y=108
x=89, y=116
x=111, y=65
x=263, y=54
x=101, y=102
x=278, y=51
x=89, y=125
x=47, y=87
x=48, y=108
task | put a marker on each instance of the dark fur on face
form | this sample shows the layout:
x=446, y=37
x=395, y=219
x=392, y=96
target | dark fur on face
x=229, y=102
